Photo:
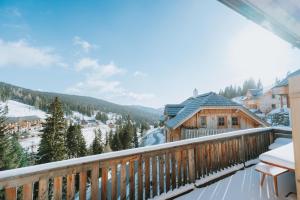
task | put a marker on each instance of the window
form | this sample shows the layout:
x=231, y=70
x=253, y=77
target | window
x=221, y=121
x=273, y=106
x=234, y=121
x=203, y=123
x=273, y=96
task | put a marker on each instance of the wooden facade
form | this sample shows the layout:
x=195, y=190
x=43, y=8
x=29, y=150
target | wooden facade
x=234, y=118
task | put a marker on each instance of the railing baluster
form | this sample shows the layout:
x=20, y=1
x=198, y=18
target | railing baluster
x=161, y=174
x=154, y=176
x=147, y=177
x=113, y=181
x=191, y=159
x=70, y=186
x=104, y=182
x=140, y=178
x=43, y=188
x=11, y=193
x=82, y=185
x=123, y=180
x=179, y=167
x=167, y=171
x=27, y=191
x=131, y=179
x=95, y=181
x=173, y=171
x=57, y=189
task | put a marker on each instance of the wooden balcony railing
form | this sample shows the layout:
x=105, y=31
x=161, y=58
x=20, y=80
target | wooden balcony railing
x=187, y=133
x=139, y=173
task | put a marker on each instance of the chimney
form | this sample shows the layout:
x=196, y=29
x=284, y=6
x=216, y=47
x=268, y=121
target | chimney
x=195, y=93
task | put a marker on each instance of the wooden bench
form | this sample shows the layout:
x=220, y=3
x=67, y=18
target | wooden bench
x=270, y=170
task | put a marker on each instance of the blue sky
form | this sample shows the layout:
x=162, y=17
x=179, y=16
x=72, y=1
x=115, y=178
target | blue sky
x=135, y=52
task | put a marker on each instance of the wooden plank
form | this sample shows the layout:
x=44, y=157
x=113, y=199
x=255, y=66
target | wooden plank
x=131, y=180
x=114, y=181
x=161, y=174
x=154, y=176
x=123, y=180
x=27, y=191
x=43, y=188
x=191, y=161
x=104, y=183
x=179, y=167
x=82, y=185
x=57, y=187
x=95, y=181
x=147, y=177
x=173, y=171
x=70, y=187
x=11, y=193
x=140, y=178
x=167, y=161
x=184, y=166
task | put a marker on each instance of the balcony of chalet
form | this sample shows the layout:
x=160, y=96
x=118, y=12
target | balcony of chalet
x=209, y=167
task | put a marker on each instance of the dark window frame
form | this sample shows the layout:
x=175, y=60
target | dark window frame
x=221, y=121
x=201, y=120
x=235, y=121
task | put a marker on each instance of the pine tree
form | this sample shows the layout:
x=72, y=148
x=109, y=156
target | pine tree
x=12, y=154
x=116, y=144
x=75, y=142
x=126, y=134
x=52, y=146
x=97, y=145
x=135, y=138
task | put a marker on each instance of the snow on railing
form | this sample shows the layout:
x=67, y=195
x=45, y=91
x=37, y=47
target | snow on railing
x=147, y=171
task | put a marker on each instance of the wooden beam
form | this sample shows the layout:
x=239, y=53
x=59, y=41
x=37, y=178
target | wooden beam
x=294, y=89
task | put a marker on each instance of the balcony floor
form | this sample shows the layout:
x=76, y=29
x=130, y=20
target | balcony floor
x=245, y=184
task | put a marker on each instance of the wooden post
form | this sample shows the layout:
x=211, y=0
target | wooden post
x=191, y=157
x=294, y=92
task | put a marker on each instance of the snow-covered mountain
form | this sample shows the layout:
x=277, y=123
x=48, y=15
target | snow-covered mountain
x=17, y=109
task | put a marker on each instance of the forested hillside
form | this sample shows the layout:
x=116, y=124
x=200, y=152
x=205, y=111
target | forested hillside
x=82, y=104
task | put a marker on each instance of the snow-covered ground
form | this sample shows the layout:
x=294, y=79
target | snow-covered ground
x=89, y=133
x=152, y=137
x=17, y=109
x=245, y=185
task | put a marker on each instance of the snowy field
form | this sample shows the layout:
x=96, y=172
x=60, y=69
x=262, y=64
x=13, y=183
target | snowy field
x=17, y=109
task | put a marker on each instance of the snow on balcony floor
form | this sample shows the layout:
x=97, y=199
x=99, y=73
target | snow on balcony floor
x=245, y=184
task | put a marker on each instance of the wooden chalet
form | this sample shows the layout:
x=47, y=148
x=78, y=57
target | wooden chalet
x=282, y=89
x=207, y=114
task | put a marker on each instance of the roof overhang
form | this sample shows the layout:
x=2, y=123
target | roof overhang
x=280, y=17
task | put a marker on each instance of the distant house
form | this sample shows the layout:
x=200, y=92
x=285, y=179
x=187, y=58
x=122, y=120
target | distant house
x=282, y=89
x=24, y=124
x=264, y=101
x=207, y=114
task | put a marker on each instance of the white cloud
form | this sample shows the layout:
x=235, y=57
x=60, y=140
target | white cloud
x=11, y=12
x=21, y=54
x=139, y=74
x=100, y=82
x=85, y=45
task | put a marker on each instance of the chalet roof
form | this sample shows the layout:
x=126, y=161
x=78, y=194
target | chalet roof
x=195, y=104
x=172, y=109
x=285, y=81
